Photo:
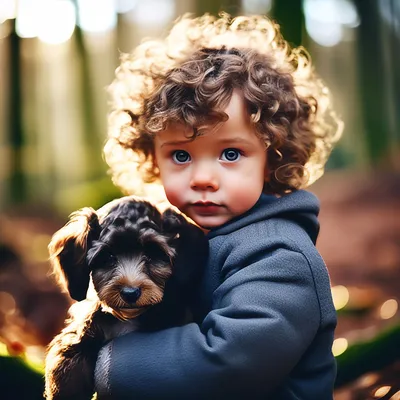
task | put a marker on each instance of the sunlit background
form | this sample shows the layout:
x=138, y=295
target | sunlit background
x=57, y=58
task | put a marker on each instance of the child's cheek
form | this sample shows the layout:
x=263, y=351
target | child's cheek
x=175, y=185
x=174, y=195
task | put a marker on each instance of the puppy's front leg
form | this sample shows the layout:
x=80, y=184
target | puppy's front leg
x=71, y=360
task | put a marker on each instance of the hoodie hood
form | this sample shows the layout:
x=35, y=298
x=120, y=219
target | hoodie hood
x=300, y=206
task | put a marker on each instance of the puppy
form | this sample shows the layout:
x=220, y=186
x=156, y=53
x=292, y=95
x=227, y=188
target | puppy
x=141, y=268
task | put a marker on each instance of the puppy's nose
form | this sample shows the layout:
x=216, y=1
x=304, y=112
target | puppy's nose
x=130, y=294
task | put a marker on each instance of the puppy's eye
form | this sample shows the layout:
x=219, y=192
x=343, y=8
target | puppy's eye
x=111, y=258
x=102, y=259
x=106, y=258
x=154, y=252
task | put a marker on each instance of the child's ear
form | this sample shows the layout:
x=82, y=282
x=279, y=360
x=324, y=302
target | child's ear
x=68, y=249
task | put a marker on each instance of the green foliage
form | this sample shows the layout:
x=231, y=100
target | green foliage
x=368, y=356
x=216, y=6
x=18, y=380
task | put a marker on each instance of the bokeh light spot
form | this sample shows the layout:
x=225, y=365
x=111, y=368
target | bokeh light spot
x=340, y=296
x=389, y=309
x=396, y=396
x=97, y=16
x=382, y=391
x=8, y=10
x=57, y=24
x=7, y=303
x=339, y=346
x=143, y=14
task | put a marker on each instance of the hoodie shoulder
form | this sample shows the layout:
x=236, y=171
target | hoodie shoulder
x=299, y=207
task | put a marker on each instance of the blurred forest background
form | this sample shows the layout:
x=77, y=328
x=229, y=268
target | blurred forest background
x=57, y=58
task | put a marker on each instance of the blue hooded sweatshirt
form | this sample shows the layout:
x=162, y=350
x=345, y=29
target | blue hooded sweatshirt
x=265, y=319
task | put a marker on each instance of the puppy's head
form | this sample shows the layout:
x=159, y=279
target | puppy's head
x=130, y=254
x=132, y=259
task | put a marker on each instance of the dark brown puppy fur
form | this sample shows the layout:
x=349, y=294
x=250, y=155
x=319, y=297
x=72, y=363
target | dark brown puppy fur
x=142, y=268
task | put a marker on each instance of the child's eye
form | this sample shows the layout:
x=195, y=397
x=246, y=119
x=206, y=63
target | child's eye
x=180, y=156
x=230, y=155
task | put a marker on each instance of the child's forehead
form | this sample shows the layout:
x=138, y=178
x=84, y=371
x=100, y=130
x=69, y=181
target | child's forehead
x=236, y=126
x=178, y=136
x=234, y=108
x=224, y=136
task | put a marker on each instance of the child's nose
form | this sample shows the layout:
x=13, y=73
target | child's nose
x=204, y=178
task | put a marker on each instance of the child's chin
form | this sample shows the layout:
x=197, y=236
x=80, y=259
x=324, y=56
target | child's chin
x=210, y=222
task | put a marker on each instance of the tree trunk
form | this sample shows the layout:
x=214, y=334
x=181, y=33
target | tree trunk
x=375, y=73
x=17, y=180
x=216, y=6
x=289, y=15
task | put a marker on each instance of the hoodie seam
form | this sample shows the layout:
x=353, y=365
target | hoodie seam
x=309, y=263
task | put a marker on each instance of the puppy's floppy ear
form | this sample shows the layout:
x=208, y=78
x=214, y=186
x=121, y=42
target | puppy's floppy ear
x=68, y=249
x=191, y=249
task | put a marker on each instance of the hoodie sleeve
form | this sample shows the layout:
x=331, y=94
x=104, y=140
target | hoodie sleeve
x=264, y=316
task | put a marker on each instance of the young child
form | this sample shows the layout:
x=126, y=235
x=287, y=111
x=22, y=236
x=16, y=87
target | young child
x=233, y=123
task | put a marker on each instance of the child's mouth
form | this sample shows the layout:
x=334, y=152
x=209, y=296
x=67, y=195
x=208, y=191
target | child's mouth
x=206, y=207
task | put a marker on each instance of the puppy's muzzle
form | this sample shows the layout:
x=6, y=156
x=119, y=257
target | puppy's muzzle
x=130, y=294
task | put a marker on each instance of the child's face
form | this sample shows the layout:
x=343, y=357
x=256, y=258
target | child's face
x=217, y=176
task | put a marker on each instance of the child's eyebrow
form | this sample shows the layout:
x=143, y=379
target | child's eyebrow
x=234, y=140
x=176, y=142
x=239, y=140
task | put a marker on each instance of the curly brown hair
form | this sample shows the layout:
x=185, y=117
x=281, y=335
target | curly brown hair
x=189, y=78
